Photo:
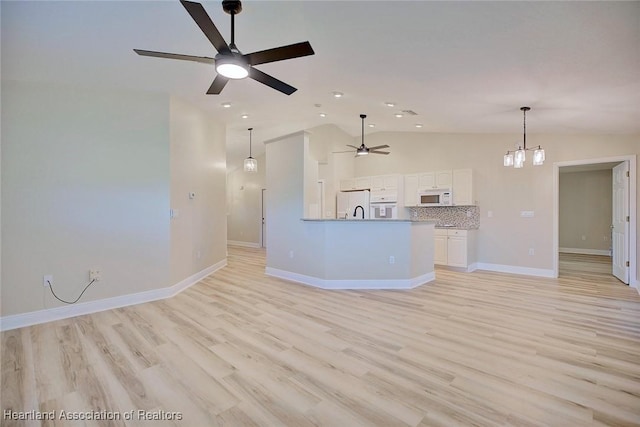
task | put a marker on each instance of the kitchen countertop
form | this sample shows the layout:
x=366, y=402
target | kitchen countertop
x=446, y=227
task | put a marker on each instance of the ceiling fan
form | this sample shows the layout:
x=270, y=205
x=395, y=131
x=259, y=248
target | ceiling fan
x=363, y=150
x=230, y=63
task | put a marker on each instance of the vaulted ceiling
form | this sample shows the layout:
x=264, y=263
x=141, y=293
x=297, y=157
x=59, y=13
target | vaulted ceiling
x=461, y=66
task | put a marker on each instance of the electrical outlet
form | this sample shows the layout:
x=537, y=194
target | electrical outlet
x=46, y=280
x=532, y=251
x=290, y=254
x=94, y=275
x=392, y=259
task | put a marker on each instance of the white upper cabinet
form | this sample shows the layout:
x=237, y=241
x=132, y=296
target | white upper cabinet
x=431, y=180
x=384, y=182
x=354, y=184
x=462, y=187
x=411, y=190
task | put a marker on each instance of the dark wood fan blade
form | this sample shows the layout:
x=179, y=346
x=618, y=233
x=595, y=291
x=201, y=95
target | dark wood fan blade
x=203, y=59
x=349, y=145
x=270, y=81
x=378, y=152
x=280, y=53
x=378, y=146
x=335, y=152
x=203, y=20
x=218, y=84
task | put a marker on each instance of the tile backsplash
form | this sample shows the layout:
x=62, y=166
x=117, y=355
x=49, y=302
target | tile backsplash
x=459, y=216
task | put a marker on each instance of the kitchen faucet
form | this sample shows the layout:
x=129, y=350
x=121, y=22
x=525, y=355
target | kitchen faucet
x=355, y=211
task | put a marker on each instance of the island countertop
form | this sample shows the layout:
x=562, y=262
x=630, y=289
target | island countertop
x=368, y=220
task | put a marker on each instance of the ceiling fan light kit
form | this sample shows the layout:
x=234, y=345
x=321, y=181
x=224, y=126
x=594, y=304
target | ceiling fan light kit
x=231, y=67
x=517, y=158
x=230, y=63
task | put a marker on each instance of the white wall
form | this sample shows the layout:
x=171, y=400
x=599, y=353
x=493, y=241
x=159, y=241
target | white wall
x=244, y=204
x=288, y=247
x=323, y=141
x=198, y=165
x=85, y=184
x=585, y=210
x=505, y=238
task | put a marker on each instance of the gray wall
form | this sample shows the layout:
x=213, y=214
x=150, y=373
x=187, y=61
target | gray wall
x=585, y=211
x=198, y=165
x=87, y=184
x=244, y=204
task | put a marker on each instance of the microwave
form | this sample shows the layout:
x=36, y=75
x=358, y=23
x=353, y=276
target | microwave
x=437, y=197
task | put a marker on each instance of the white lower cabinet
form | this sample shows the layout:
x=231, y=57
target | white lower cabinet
x=455, y=248
x=440, y=247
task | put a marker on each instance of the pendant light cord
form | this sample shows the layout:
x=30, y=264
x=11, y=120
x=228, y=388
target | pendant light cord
x=250, y=129
x=524, y=128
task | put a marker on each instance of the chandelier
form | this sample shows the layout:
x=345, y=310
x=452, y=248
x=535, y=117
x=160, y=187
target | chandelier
x=516, y=158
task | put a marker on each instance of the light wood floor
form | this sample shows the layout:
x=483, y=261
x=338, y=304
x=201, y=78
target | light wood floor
x=574, y=264
x=242, y=349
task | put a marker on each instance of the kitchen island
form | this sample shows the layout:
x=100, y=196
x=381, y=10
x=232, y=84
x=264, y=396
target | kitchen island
x=364, y=254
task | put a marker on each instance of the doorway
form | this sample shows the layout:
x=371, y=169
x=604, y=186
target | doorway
x=621, y=248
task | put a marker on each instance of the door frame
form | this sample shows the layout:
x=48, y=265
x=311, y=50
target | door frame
x=263, y=219
x=632, y=238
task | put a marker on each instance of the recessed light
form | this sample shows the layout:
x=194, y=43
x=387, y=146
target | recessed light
x=323, y=114
x=418, y=125
x=390, y=104
x=372, y=125
x=337, y=94
x=245, y=116
x=398, y=115
x=226, y=105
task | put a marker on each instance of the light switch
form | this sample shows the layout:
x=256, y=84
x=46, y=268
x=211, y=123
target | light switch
x=526, y=214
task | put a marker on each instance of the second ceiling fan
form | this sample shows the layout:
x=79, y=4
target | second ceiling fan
x=363, y=150
x=230, y=63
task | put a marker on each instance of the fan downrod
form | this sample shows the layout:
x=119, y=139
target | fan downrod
x=232, y=7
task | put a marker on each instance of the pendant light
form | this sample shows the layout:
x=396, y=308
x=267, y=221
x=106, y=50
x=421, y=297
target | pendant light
x=250, y=164
x=517, y=158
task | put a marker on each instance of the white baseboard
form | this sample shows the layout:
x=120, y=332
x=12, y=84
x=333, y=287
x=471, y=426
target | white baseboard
x=42, y=316
x=350, y=284
x=243, y=244
x=605, y=252
x=513, y=269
